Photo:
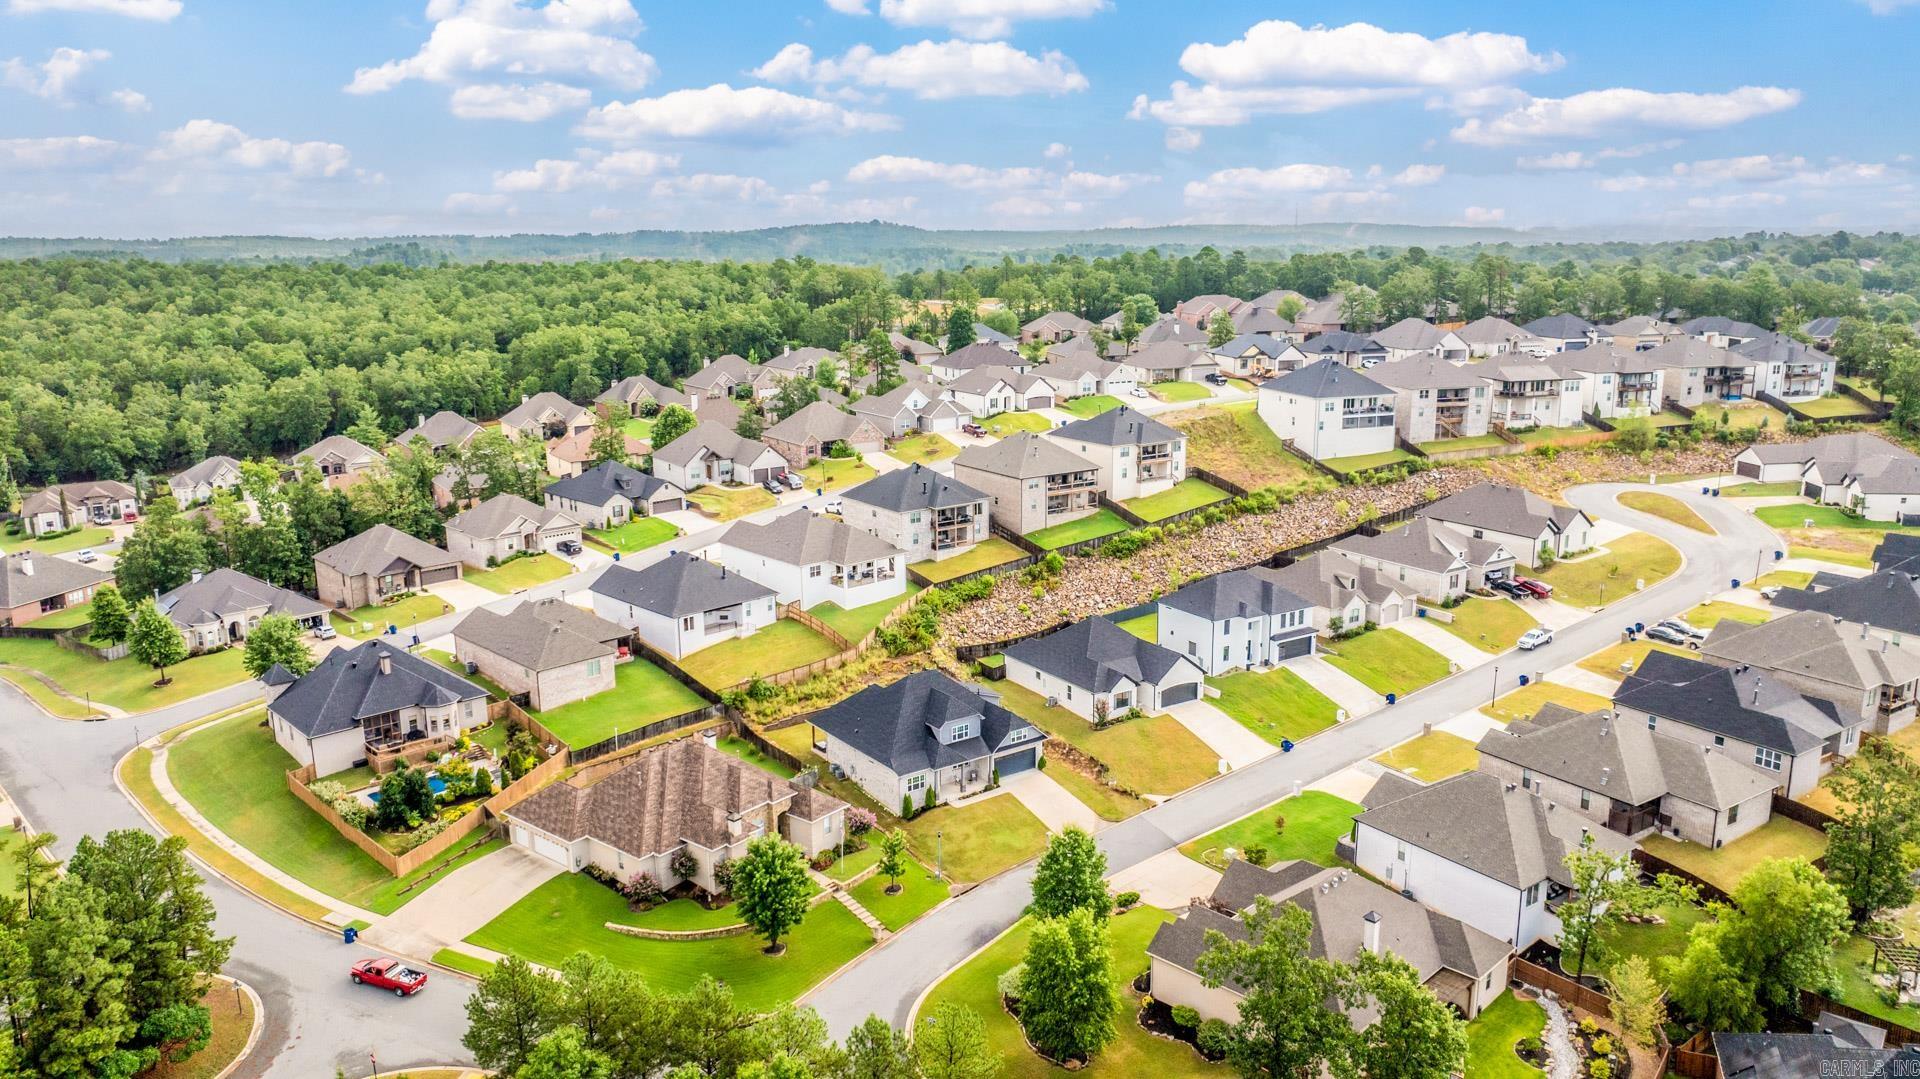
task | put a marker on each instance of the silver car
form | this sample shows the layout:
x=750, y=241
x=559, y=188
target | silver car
x=1534, y=638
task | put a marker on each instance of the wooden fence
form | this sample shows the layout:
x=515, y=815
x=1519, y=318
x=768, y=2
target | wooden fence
x=1655, y=865
x=1000, y=570
x=1812, y=1004
x=513, y=793
x=1133, y=519
x=1803, y=814
x=397, y=864
x=745, y=732
x=1311, y=461
x=34, y=633
x=1694, y=1058
x=1561, y=986
x=1218, y=480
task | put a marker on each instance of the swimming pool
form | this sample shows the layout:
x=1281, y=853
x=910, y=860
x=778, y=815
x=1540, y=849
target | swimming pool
x=434, y=783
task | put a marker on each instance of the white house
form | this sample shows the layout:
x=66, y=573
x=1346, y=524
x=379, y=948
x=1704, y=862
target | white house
x=1515, y=518
x=711, y=453
x=919, y=512
x=1328, y=410
x=1136, y=454
x=1240, y=618
x=683, y=603
x=1430, y=558
x=809, y=559
x=197, y=484
x=1437, y=400
x=1787, y=368
x=1490, y=336
x=1416, y=337
x=1614, y=384
x=1093, y=666
x=1527, y=393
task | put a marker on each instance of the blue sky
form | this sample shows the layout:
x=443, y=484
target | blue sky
x=183, y=117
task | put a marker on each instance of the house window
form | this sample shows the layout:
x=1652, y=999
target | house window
x=1767, y=758
x=1586, y=799
x=1531, y=896
x=1123, y=701
x=961, y=731
x=593, y=668
x=813, y=571
x=1733, y=814
x=1192, y=650
x=1651, y=722
x=1400, y=853
x=686, y=623
x=916, y=783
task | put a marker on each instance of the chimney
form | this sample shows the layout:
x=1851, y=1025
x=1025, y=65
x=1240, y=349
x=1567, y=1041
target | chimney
x=711, y=738
x=386, y=662
x=1370, y=932
x=26, y=563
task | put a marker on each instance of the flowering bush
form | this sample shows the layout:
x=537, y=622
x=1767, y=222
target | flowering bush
x=860, y=821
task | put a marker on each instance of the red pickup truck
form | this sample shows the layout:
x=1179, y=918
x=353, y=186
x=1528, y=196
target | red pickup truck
x=389, y=974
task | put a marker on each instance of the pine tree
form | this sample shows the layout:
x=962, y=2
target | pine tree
x=155, y=640
x=876, y=1051
x=155, y=902
x=509, y=1012
x=111, y=620
x=35, y=867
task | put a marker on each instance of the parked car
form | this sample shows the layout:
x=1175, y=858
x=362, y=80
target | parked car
x=1684, y=628
x=1217, y=378
x=129, y=517
x=1535, y=588
x=793, y=480
x=1666, y=634
x=1139, y=391
x=771, y=485
x=86, y=554
x=324, y=631
x=973, y=429
x=836, y=507
x=1769, y=592
x=1507, y=587
x=570, y=547
x=386, y=973
x=1534, y=638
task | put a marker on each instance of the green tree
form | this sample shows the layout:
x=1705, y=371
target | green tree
x=406, y=799
x=1071, y=876
x=162, y=553
x=1633, y=434
x=1413, y=1034
x=1874, y=841
x=73, y=985
x=1781, y=931
x=277, y=639
x=876, y=1051
x=1219, y=329
x=1285, y=1027
x=564, y=1054
x=609, y=442
x=1639, y=1003
x=511, y=1009
x=1606, y=889
x=793, y=395
x=960, y=327
x=161, y=916
x=34, y=867
x=770, y=888
x=1067, y=999
x=673, y=421
x=111, y=619
x=1709, y=988
x=155, y=641
x=951, y=1043
x=893, y=858
x=752, y=424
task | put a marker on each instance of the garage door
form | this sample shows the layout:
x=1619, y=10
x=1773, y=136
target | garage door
x=668, y=505
x=440, y=575
x=1749, y=469
x=1016, y=762
x=1181, y=694
x=1295, y=648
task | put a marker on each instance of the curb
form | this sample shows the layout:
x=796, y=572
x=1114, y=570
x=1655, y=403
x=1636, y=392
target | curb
x=253, y=1036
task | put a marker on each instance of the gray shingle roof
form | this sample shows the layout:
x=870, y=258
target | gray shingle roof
x=805, y=538
x=895, y=723
x=1240, y=593
x=223, y=592
x=1330, y=580
x=1779, y=348
x=1022, y=456
x=1503, y=508
x=711, y=436
x=528, y=411
x=1562, y=327
x=815, y=421
x=1340, y=342
x=1489, y=330
x=1887, y=600
x=205, y=472
x=1422, y=544
x=1475, y=821
x=1686, y=352
x=640, y=388
x=1743, y=703
x=1625, y=761
x=1796, y=1056
x=1264, y=344
x=1410, y=334
x=1095, y=655
x=1427, y=373
x=541, y=635
x=677, y=585
x=339, y=446
x=1815, y=645
x=49, y=577
x=728, y=366
x=378, y=549
x=1824, y=326
x=1123, y=426
x=442, y=429
x=497, y=514
x=608, y=479
x=913, y=488
x=347, y=687
x=977, y=354
x=1721, y=324
x=1326, y=379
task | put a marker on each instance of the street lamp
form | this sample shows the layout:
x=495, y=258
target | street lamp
x=1496, y=685
x=939, y=853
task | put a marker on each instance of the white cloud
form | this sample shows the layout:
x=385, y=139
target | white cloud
x=518, y=101
x=1277, y=51
x=721, y=111
x=934, y=70
x=472, y=202
x=715, y=186
x=1031, y=182
x=1418, y=175
x=1633, y=181
x=849, y=7
x=1888, y=7
x=1183, y=140
x=1569, y=160
x=1030, y=206
x=1739, y=201
x=1596, y=112
x=1250, y=183
x=1217, y=106
x=579, y=38
x=1104, y=185
x=1482, y=215
x=53, y=79
x=209, y=142
x=977, y=18
x=57, y=152
x=590, y=169
x=1753, y=168
x=131, y=100
x=153, y=10
x=1057, y=150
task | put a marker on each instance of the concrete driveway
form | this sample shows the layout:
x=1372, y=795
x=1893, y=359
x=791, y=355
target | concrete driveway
x=1460, y=653
x=1222, y=733
x=463, y=595
x=463, y=901
x=1337, y=685
x=1053, y=804
x=1169, y=880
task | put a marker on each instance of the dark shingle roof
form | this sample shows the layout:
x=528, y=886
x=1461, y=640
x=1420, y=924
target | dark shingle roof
x=347, y=687
x=1889, y=599
x=1742, y=703
x=608, y=479
x=1503, y=508
x=541, y=635
x=1095, y=655
x=678, y=585
x=378, y=549
x=442, y=429
x=1563, y=327
x=913, y=488
x=894, y=724
x=1241, y=593
x=1721, y=324
x=1123, y=426
x=1335, y=342
x=223, y=592
x=1474, y=820
x=1326, y=379
x=1795, y=1056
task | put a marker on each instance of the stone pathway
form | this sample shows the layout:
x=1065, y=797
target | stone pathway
x=1563, y=1062
x=1463, y=654
x=1337, y=685
x=1045, y=798
x=1223, y=734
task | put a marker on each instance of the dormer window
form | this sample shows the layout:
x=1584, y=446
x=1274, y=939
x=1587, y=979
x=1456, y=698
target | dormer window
x=960, y=732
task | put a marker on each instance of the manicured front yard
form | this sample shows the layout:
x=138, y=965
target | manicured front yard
x=521, y=573
x=922, y=449
x=637, y=534
x=1314, y=821
x=1667, y=508
x=992, y=551
x=17, y=540
x=1388, y=661
x=856, y=623
x=1491, y=625
x=1726, y=867
x=977, y=840
x=1522, y=703
x=782, y=646
x=125, y=684
x=920, y=892
x=1152, y=755
x=373, y=620
x=1091, y=405
x=1180, y=391
x=1012, y=423
x=1133, y=1053
x=569, y=913
x=1277, y=705
x=1602, y=578
x=1710, y=614
x=1106, y=803
x=1431, y=757
x=1183, y=496
x=727, y=503
x=1785, y=578
x=833, y=473
x=1761, y=490
x=1608, y=661
x=1367, y=461
x=1104, y=522
x=1231, y=441
x=1838, y=404
x=1495, y=1031
x=641, y=693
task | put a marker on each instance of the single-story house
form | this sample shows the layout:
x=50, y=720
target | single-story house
x=989, y=391
x=808, y=434
x=711, y=453
x=1723, y=331
x=545, y=415
x=979, y=354
x=632, y=395
x=1490, y=335
x=1054, y=326
x=442, y=431
x=1353, y=350
x=718, y=377
x=382, y=561
x=1557, y=333
x=1253, y=354
x=925, y=733
x=1836, y=456
x=1093, y=664
x=1515, y=518
x=371, y=699
x=341, y=460
x=683, y=603
x=1240, y=618
x=610, y=494
x=548, y=649
x=195, y=485
x=1323, y=315
x=34, y=586
x=1835, y=1046
x=911, y=351
x=1821, y=331
x=1430, y=558
x=220, y=607
x=506, y=525
x=911, y=408
x=1416, y=337
x=65, y=506
x=1639, y=332
x=809, y=559
x=570, y=455
x=1085, y=374
x=1173, y=361
x=1864, y=670
x=453, y=487
x=1198, y=311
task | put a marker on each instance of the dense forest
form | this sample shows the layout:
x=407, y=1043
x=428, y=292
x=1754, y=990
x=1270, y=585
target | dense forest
x=123, y=367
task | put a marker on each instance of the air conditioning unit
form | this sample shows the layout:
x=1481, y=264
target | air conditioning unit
x=1053, y=702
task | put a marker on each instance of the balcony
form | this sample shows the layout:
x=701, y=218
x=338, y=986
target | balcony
x=1150, y=454
x=1527, y=389
x=1068, y=484
x=1362, y=411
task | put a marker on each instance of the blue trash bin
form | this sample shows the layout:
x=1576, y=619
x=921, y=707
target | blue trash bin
x=1778, y=555
x=350, y=934
x=1286, y=745
x=1524, y=679
x=1392, y=697
x=392, y=629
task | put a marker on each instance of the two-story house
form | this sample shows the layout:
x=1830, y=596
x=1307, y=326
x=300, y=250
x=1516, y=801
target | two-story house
x=1526, y=393
x=809, y=559
x=1515, y=518
x=925, y=734
x=1327, y=410
x=683, y=603
x=1614, y=384
x=1787, y=368
x=1031, y=482
x=919, y=512
x=1697, y=373
x=1135, y=454
x=1864, y=672
x=1431, y=559
x=1242, y=618
x=1437, y=400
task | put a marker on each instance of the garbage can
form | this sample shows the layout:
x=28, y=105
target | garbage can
x=1286, y=745
x=1392, y=697
x=350, y=934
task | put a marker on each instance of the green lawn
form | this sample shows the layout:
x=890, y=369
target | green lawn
x=750, y=753
x=1609, y=575
x=1232, y=442
x=834, y=473
x=1367, y=461
x=373, y=620
x=1540, y=436
x=1103, y=522
x=569, y=913
x=992, y=551
x=1276, y=705
x=1726, y=867
x=727, y=503
x=1495, y=1031
x=1388, y=661
x=638, y=427
x=54, y=704
x=66, y=617
x=1838, y=404
x=1431, y=757
x=1761, y=490
x=1785, y=578
x=73, y=541
x=1188, y=494
x=1823, y=517
x=1146, y=627
x=1822, y=552
x=1314, y=820
x=1667, y=508
x=1522, y=703
x=682, y=916
x=637, y=534
x=1854, y=958
x=1470, y=442
x=856, y=623
x=1179, y=392
x=782, y=646
x=922, y=449
x=847, y=868
x=641, y=693
x=1091, y=405
x=1153, y=755
x=1744, y=416
x=1708, y=615
x=521, y=573
x=1668, y=418
x=1491, y=625
x=470, y=965
x=1012, y=423
x=977, y=840
x=1655, y=942
x=1133, y=1053
x=1106, y=803
x=920, y=891
x=447, y=660
x=1607, y=661
x=125, y=684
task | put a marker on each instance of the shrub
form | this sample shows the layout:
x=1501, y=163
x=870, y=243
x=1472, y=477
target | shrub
x=1256, y=854
x=931, y=799
x=1603, y=1046
x=682, y=864
x=1589, y=1027
x=1280, y=823
x=1214, y=1038
x=1125, y=900
x=906, y=807
x=644, y=890
x=1600, y=1068
x=1008, y=984
x=860, y=821
x=761, y=690
x=1528, y=1044
x=723, y=875
x=1186, y=1017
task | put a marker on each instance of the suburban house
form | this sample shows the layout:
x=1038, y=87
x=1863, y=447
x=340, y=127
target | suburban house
x=1699, y=373
x=1265, y=320
x=718, y=377
x=1556, y=333
x=1344, y=593
x=369, y=701
x=1173, y=361
x=683, y=603
x=1614, y=384
x=925, y=737
x=1093, y=666
x=1460, y=965
x=453, y=487
x=1253, y=355
x=911, y=408
x=989, y=391
x=1490, y=336
x=918, y=511
x=683, y=797
x=381, y=562
x=911, y=351
x=1412, y=338
x=1323, y=316
x=341, y=460
x=1240, y=618
x=65, y=506
x=1820, y=465
x=1054, y=326
x=1821, y=331
x=1528, y=393
x=1135, y=454
x=548, y=649
x=1030, y=481
x=1348, y=349
x=1835, y=1046
x=1198, y=312
x=1864, y=673
x=711, y=453
x=636, y=395
x=979, y=354
x=1897, y=550
x=1437, y=400
x=1517, y=519
x=1887, y=600
x=1475, y=848
x=1634, y=781
x=1744, y=712
x=1169, y=330
x=1430, y=558
x=220, y=607
x=1787, y=368
x=506, y=525
x=442, y=431
x=1722, y=331
x=808, y=434
x=34, y=586
x=195, y=485
x=1085, y=374
x=809, y=559
x=987, y=335
x=610, y=494
x=1328, y=410
x=570, y=455
x=545, y=416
